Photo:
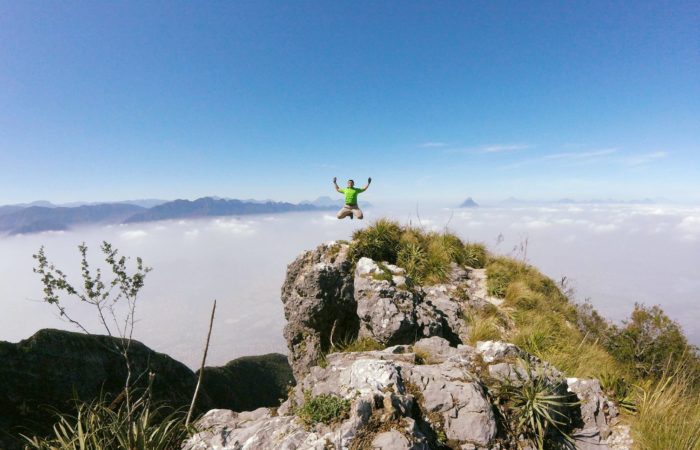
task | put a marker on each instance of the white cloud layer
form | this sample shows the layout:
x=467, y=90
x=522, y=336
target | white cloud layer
x=498, y=148
x=644, y=158
x=616, y=254
x=582, y=155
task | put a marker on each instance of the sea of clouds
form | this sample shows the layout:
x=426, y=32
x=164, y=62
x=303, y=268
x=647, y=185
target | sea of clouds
x=615, y=255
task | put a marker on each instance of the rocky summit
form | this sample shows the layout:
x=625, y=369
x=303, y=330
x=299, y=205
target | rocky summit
x=421, y=386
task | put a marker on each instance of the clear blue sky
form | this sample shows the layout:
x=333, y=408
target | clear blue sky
x=434, y=100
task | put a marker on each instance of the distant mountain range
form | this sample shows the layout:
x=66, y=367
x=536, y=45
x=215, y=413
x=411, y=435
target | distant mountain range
x=44, y=216
x=41, y=218
x=145, y=203
x=325, y=201
x=208, y=207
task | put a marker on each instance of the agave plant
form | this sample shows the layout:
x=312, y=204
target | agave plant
x=99, y=426
x=618, y=389
x=534, y=407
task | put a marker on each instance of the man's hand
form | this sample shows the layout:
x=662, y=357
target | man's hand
x=335, y=180
x=369, y=180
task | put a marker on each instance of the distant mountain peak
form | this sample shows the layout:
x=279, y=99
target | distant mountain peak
x=324, y=201
x=469, y=203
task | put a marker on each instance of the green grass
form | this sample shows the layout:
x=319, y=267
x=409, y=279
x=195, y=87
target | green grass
x=484, y=325
x=98, y=426
x=500, y=272
x=364, y=344
x=380, y=241
x=475, y=255
x=619, y=390
x=426, y=256
x=668, y=414
x=324, y=408
x=544, y=322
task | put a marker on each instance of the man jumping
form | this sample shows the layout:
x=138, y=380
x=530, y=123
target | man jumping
x=351, y=193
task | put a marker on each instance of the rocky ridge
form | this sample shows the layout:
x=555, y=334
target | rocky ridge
x=426, y=389
x=52, y=369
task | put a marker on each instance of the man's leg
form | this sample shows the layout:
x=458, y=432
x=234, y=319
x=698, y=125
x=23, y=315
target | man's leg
x=344, y=212
x=357, y=212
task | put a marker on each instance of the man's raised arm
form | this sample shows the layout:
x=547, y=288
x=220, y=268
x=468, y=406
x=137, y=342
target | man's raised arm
x=336, y=185
x=369, y=181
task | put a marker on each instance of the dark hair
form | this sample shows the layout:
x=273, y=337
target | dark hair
x=351, y=181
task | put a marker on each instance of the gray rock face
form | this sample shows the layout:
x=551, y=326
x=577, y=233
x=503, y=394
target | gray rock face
x=408, y=438
x=599, y=417
x=385, y=387
x=492, y=351
x=442, y=298
x=464, y=412
x=326, y=299
x=391, y=312
x=235, y=431
x=387, y=312
x=318, y=298
x=397, y=403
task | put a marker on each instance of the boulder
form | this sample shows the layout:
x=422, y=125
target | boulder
x=599, y=428
x=392, y=313
x=497, y=351
x=318, y=299
x=393, y=401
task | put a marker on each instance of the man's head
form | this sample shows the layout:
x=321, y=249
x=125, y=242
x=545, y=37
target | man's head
x=351, y=183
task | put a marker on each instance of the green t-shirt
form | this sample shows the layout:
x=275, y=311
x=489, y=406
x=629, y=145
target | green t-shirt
x=351, y=195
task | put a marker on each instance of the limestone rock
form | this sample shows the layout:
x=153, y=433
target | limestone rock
x=598, y=429
x=434, y=349
x=399, y=402
x=381, y=387
x=318, y=298
x=465, y=414
x=492, y=351
x=387, y=313
x=393, y=313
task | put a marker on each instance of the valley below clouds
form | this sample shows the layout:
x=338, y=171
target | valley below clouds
x=615, y=255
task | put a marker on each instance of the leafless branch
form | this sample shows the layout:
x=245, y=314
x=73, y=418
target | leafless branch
x=201, y=368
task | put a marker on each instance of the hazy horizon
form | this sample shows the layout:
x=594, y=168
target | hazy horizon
x=614, y=254
x=451, y=200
